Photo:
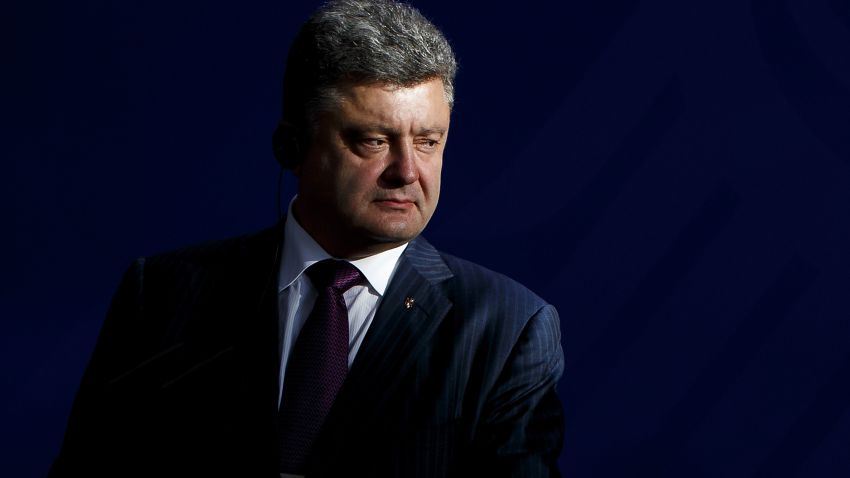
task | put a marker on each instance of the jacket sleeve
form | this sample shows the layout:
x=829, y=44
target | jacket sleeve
x=522, y=428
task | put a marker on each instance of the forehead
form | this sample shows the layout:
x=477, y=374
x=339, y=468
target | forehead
x=393, y=106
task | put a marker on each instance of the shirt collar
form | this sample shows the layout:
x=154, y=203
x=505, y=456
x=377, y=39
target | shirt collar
x=300, y=251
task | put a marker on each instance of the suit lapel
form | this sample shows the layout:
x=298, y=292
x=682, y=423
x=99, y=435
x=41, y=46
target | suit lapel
x=232, y=312
x=410, y=312
x=257, y=350
x=257, y=334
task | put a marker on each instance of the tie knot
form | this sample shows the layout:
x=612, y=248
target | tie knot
x=340, y=275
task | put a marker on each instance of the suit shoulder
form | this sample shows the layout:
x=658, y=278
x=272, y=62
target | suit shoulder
x=214, y=253
x=496, y=314
x=474, y=282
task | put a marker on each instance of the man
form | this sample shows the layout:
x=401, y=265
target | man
x=338, y=343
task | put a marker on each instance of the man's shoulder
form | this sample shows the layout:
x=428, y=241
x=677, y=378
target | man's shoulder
x=472, y=283
x=235, y=263
x=496, y=309
x=219, y=252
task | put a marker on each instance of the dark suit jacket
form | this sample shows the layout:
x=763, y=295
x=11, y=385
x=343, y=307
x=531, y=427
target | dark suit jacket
x=183, y=380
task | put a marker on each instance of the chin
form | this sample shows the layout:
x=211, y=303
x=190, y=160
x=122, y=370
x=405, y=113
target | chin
x=391, y=228
x=401, y=233
x=394, y=238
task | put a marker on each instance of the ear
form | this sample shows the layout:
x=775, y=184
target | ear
x=286, y=147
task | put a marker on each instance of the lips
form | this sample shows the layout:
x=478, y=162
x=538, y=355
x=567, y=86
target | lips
x=399, y=200
x=395, y=202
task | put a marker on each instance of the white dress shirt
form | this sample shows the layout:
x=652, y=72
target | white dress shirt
x=296, y=294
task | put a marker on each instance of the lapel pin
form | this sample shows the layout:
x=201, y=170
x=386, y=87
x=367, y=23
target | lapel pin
x=408, y=302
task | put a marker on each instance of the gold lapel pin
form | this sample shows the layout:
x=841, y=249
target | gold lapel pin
x=408, y=302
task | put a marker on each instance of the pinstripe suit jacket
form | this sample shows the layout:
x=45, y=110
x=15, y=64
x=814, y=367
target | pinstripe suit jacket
x=183, y=380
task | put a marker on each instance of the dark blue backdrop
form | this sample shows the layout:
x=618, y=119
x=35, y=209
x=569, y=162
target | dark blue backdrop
x=672, y=175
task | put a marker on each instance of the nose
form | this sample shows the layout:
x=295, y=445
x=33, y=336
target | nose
x=401, y=167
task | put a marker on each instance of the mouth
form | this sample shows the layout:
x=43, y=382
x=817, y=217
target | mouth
x=395, y=203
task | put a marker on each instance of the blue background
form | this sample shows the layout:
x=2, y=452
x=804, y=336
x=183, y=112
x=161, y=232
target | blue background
x=672, y=175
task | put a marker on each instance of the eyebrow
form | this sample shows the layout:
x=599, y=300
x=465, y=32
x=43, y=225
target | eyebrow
x=427, y=131
x=359, y=129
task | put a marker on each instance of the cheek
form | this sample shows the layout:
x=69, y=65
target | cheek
x=430, y=179
x=356, y=186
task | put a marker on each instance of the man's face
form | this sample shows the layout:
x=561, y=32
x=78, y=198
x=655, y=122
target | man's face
x=371, y=176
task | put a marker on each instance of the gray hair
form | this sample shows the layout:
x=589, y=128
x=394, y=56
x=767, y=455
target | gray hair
x=361, y=42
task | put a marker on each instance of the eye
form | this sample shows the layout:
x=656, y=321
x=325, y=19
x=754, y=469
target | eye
x=373, y=143
x=427, y=144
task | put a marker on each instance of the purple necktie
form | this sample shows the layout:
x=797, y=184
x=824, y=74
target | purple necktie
x=317, y=366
